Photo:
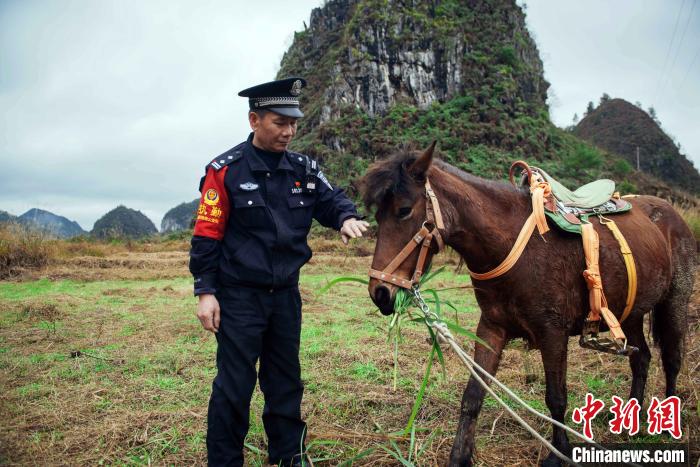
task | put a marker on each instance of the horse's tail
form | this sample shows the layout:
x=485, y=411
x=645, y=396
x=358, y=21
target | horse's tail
x=669, y=317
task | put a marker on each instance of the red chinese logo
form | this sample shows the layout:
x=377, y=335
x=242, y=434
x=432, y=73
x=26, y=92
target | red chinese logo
x=587, y=413
x=665, y=416
x=626, y=417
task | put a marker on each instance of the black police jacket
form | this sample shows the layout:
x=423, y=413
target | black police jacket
x=252, y=222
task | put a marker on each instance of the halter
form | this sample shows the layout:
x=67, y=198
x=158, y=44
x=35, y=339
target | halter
x=424, y=237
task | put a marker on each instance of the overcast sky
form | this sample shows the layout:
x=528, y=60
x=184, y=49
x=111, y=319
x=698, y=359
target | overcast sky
x=124, y=102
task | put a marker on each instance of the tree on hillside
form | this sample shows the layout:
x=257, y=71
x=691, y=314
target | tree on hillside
x=652, y=114
x=590, y=108
x=604, y=98
x=575, y=119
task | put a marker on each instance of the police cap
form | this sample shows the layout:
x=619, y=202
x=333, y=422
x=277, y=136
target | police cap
x=281, y=96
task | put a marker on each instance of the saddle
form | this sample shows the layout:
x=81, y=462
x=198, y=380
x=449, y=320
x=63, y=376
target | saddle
x=570, y=211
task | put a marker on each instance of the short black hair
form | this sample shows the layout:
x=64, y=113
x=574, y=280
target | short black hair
x=260, y=112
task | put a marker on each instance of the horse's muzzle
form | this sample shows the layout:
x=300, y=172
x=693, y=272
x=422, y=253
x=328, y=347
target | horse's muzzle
x=382, y=297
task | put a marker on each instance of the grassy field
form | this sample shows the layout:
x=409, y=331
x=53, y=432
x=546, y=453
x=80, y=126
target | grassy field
x=102, y=361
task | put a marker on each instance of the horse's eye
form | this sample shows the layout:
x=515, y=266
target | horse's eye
x=405, y=212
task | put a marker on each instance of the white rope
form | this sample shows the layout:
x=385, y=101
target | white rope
x=442, y=329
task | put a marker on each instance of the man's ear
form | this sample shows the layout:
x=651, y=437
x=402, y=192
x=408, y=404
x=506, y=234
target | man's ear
x=420, y=167
x=253, y=120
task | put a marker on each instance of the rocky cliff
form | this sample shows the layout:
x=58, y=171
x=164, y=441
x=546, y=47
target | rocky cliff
x=373, y=54
x=621, y=127
x=181, y=217
x=386, y=73
x=372, y=64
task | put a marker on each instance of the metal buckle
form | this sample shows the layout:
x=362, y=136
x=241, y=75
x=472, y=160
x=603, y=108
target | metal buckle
x=590, y=339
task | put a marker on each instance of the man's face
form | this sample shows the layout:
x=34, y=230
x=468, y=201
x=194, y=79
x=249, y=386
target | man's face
x=273, y=132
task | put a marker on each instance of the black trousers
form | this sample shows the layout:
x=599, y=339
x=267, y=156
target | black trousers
x=257, y=323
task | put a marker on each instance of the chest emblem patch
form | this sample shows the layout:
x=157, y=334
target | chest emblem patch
x=249, y=186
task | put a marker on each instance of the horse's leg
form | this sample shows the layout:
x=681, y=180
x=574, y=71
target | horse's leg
x=639, y=361
x=669, y=329
x=473, y=396
x=553, y=347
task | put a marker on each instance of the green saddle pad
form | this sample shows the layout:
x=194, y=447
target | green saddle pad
x=589, y=195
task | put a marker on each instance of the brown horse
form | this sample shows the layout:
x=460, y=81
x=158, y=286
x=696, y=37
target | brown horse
x=544, y=298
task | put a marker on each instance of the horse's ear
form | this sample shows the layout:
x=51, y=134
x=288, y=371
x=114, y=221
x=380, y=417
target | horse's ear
x=420, y=167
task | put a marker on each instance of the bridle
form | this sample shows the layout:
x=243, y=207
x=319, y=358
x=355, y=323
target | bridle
x=428, y=232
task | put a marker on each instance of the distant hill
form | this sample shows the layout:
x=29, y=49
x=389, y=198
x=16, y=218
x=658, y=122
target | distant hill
x=7, y=217
x=620, y=127
x=50, y=224
x=123, y=222
x=181, y=217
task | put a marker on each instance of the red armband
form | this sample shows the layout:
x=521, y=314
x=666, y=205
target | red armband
x=214, y=207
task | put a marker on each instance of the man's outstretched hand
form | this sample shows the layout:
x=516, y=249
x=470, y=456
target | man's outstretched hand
x=352, y=228
x=208, y=312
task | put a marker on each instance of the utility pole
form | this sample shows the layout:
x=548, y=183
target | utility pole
x=637, y=157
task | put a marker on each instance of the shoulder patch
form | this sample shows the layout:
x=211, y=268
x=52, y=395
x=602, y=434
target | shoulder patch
x=302, y=159
x=323, y=178
x=225, y=159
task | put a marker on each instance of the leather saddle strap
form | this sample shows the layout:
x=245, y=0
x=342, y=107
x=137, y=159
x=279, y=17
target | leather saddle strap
x=629, y=265
x=513, y=256
x=596, y=297
x=539, y=190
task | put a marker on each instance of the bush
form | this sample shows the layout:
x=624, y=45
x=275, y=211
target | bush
x=692, y=218
x=621, y=167
x=21, y=248
x=506, y=55
x=626, y=188
x=583, y=157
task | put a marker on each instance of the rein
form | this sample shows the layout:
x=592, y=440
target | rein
x=428, y=232
x=424, y=237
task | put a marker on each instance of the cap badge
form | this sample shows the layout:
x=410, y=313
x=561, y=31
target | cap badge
x=296, y=88
x=248, y=186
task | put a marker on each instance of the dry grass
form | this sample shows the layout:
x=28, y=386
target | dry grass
x=102, y=361
x=691, y=215
x=29, y=257
x=21, y=250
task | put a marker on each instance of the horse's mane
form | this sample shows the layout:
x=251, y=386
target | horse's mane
x=390, y=176
x=493, y=185
x=386, y=177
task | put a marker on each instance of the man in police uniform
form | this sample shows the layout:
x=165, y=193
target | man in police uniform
x=258, y=201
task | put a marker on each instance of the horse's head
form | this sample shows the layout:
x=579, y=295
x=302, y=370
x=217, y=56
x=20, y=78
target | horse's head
x=396, y=187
